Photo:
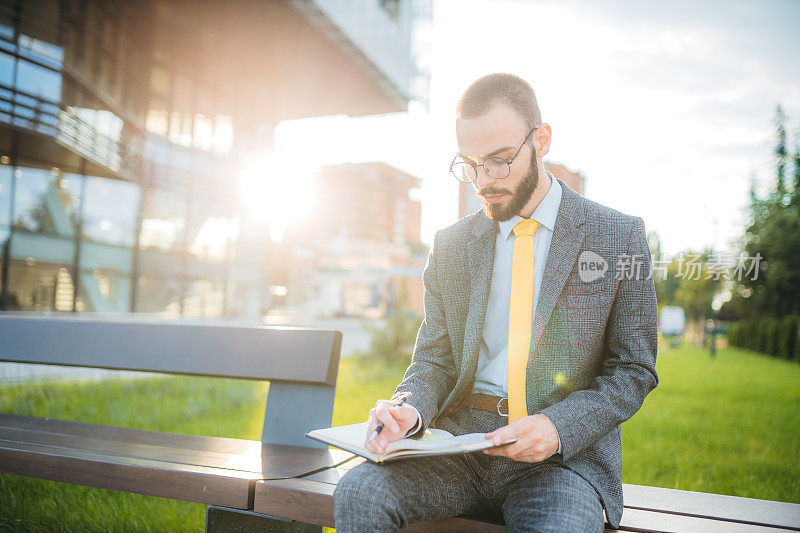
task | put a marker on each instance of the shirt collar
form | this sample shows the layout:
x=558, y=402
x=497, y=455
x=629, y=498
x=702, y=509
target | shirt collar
x=545, y=212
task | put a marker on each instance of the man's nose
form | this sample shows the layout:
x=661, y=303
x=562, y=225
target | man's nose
x=483, y=179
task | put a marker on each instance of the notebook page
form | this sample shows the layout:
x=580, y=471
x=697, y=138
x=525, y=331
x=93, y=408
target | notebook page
x=352, y=436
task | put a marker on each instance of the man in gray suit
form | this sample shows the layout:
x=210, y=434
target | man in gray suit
x=593, y=343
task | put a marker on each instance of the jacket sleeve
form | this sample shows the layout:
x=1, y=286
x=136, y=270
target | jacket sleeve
x=629, y=373
x=431, y=375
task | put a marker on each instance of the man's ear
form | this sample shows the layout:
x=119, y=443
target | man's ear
x=541, y=138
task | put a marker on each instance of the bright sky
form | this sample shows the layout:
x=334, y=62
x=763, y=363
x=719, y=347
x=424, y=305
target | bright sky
x=667, y=111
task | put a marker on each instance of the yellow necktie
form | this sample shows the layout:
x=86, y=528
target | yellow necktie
x=520, y=317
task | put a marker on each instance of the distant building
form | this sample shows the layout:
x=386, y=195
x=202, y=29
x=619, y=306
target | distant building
x=368, y=202
x=469, y=203
x=359, y=251
x=124, y=126
x=574, y=180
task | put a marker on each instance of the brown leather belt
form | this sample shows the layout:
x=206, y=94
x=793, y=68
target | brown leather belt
x=486, y=402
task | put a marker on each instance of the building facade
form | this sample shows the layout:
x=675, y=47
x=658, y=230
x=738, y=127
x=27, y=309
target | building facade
x=124, y=126
x=359, y=253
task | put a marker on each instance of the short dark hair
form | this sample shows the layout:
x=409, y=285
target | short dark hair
x=485, y=92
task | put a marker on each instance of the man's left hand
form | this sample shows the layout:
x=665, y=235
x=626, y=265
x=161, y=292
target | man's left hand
x=538, y=439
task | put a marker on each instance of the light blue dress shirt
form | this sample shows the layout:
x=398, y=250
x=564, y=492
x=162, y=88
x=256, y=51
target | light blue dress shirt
x=491, y=376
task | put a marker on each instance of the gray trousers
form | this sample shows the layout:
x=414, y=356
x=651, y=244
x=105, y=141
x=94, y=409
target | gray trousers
x=545, y=496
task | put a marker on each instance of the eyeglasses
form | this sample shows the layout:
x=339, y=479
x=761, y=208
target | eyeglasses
x=496, y=167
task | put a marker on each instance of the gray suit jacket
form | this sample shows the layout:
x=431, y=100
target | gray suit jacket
x=593, y=346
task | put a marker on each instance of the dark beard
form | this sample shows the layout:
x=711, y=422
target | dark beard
x=519, y=197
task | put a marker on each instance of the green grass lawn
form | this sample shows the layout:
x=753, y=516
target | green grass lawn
x=729, y=425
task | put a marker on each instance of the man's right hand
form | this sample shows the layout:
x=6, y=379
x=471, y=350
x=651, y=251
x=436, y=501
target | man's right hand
x=397, y=421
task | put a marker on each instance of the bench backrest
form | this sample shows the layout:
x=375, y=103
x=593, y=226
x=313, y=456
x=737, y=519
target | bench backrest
x=300, y=364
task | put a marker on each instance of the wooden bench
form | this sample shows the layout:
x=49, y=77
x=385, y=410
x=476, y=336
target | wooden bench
x=300, y=364
x=284, y=482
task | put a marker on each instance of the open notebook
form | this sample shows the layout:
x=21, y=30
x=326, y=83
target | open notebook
x=433, y=442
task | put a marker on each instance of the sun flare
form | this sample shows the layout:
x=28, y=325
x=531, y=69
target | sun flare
x=278, y=190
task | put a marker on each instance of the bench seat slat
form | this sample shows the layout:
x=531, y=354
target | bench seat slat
x=718, y=506
x=184, y=467
x=689, y=503
x=217, y=486
x=309, y=500
x=250, y=463
x=265, y=460
x=136, y=436
x=641, y=520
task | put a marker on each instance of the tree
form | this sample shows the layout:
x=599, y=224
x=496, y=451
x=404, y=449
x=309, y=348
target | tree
x=686, y=283
x=796, y=180
x=780, y=152
x=773, y=232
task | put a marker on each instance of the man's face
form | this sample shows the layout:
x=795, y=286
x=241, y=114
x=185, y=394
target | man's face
x=499, y=133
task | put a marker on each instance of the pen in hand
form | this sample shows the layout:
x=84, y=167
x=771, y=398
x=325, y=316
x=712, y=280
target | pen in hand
x=380, y=426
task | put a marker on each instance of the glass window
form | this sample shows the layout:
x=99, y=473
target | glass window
x=48, y=53
x=6, y=27
x=244, y=300
x=163, y=220
x=204, y=298
x=157, y=120
x=38, y=81
x=6, y=175
x=223, y=134
x=104, y=291
x=208, y=237
x=105, y=256
x=5, y=234
x=39, y=286
x=40, y=18
x=6, y=45
x=110, y=211
x=156, y=294
x=203, y=137
x=5, y=105
x=46, y=201
x=6, y=69
x=247, y=241
x=158, y=152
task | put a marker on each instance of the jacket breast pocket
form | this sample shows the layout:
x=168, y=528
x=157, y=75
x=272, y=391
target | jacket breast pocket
x=587, y=296
x=580, y=287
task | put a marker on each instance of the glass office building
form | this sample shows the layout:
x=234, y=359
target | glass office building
x=124, y=126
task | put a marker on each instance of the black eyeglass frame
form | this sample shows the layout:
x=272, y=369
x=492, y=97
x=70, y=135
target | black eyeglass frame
x=475, y=167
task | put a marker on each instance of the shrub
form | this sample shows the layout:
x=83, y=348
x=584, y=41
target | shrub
x=393, y=343
x=779, y=337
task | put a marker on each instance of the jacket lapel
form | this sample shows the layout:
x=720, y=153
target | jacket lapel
x=567, y=240
x=480, y=258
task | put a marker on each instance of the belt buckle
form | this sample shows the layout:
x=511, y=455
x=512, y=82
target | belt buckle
x=498, y=407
